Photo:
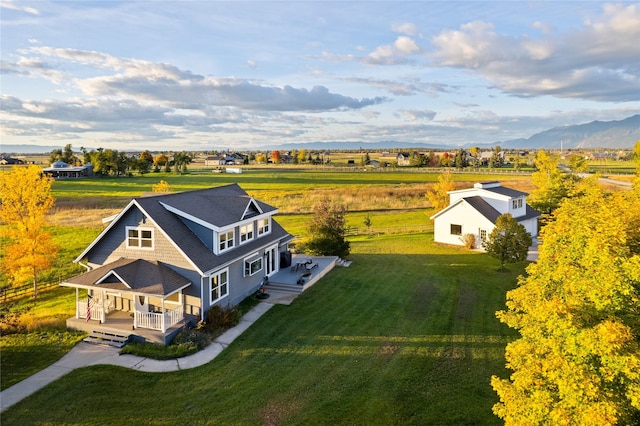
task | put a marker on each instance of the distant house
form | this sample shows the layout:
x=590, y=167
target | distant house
x=165, y=260
x=215, y=160
x=400, y=158
x=403, y=159
x=224, y=160
x=475, y=211
x=10, y=161
x=61, y=170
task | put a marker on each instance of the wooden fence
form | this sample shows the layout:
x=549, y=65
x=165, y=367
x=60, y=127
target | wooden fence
x=399, y=229
x=12, y=293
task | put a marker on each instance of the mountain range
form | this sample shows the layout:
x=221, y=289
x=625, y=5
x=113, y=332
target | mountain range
x=622, y=134
x=597, y=134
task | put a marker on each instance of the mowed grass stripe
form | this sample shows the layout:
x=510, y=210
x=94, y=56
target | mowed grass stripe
x=406, y=335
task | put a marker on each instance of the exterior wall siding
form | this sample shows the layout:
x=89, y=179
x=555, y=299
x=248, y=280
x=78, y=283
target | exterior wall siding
x=463, y=215
x=113, y=246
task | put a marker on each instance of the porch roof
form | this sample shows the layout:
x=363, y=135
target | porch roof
x=133, y=276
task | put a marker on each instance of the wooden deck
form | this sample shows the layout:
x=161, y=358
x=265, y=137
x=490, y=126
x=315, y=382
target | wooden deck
x=298, y=279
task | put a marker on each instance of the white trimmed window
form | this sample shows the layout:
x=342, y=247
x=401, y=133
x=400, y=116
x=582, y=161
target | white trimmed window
x=140, y=238
x=252, y=266
x=456, y=229
x=226, y=240
x=517, y=203
x=246, y=233
x=263, y=226
x=219, y=287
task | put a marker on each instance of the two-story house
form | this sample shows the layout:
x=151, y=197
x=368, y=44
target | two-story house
x=475, y=211
x=167, y=259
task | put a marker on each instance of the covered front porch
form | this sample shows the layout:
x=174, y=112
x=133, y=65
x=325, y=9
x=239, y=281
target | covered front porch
x=130, y=296
x=157, y=313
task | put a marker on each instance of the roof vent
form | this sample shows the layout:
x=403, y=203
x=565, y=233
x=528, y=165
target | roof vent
x=487, y=185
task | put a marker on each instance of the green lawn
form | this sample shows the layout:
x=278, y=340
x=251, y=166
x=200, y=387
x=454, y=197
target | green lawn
x=406, y=335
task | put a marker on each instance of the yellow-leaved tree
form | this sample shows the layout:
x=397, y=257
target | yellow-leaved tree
x=438, y=194
x=162, y=186
x=25, y=199
x=552, y=184
x=578, y=314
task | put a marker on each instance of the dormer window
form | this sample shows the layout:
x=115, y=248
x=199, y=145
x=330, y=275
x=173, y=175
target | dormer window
x=517, y=204
x=246, y=233
x=141, y=238
x=226, y=240
x=263, y=226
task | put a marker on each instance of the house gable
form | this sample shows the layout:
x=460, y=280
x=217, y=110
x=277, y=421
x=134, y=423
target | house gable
x=252, y=210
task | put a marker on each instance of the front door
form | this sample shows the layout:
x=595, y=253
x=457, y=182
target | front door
x=271, y=259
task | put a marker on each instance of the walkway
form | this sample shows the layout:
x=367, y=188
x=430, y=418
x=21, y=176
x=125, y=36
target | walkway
x=85, y=354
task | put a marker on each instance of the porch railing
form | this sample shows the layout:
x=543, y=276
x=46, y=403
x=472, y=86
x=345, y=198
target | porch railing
x=159, y=321
x=96, y=311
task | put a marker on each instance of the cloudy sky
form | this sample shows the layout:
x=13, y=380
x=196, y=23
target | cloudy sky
x=185, y=75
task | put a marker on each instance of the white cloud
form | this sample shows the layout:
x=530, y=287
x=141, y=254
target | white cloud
x=399, y=52
x=590, y=63
x=171, y=86
x=405, y=28
x=8, y=4
x=416, y=115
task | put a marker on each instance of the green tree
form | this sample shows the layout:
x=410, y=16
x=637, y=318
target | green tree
x=496, y=159
x=327, y=230
x=25, y=199
x=476, y=153
x=509, y=241
x=180, y=162
x=438, y=195
x=577, y=311
x=367, y=222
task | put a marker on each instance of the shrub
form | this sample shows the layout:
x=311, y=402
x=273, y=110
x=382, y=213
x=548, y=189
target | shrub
x=469, y=240
x=219, y=318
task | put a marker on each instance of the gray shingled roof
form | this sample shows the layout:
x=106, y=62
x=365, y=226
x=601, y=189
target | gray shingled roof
x=506, y=191
x=483, y=208
x=530, y=214
x=220, y=206
x=492, y=214
x=220, y=202
x=133, y=275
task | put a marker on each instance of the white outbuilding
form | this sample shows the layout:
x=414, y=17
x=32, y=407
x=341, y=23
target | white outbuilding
x=475, y=211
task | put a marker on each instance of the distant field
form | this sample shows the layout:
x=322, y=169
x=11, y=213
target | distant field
x=292, y=190
x=611, y=167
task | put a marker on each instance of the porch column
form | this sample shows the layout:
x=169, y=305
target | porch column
x=164, y=315
x=77, y=301
x=102, y=314
x=135, y=312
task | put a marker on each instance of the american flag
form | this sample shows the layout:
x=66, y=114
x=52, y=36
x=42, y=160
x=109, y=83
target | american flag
x=89, y=306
